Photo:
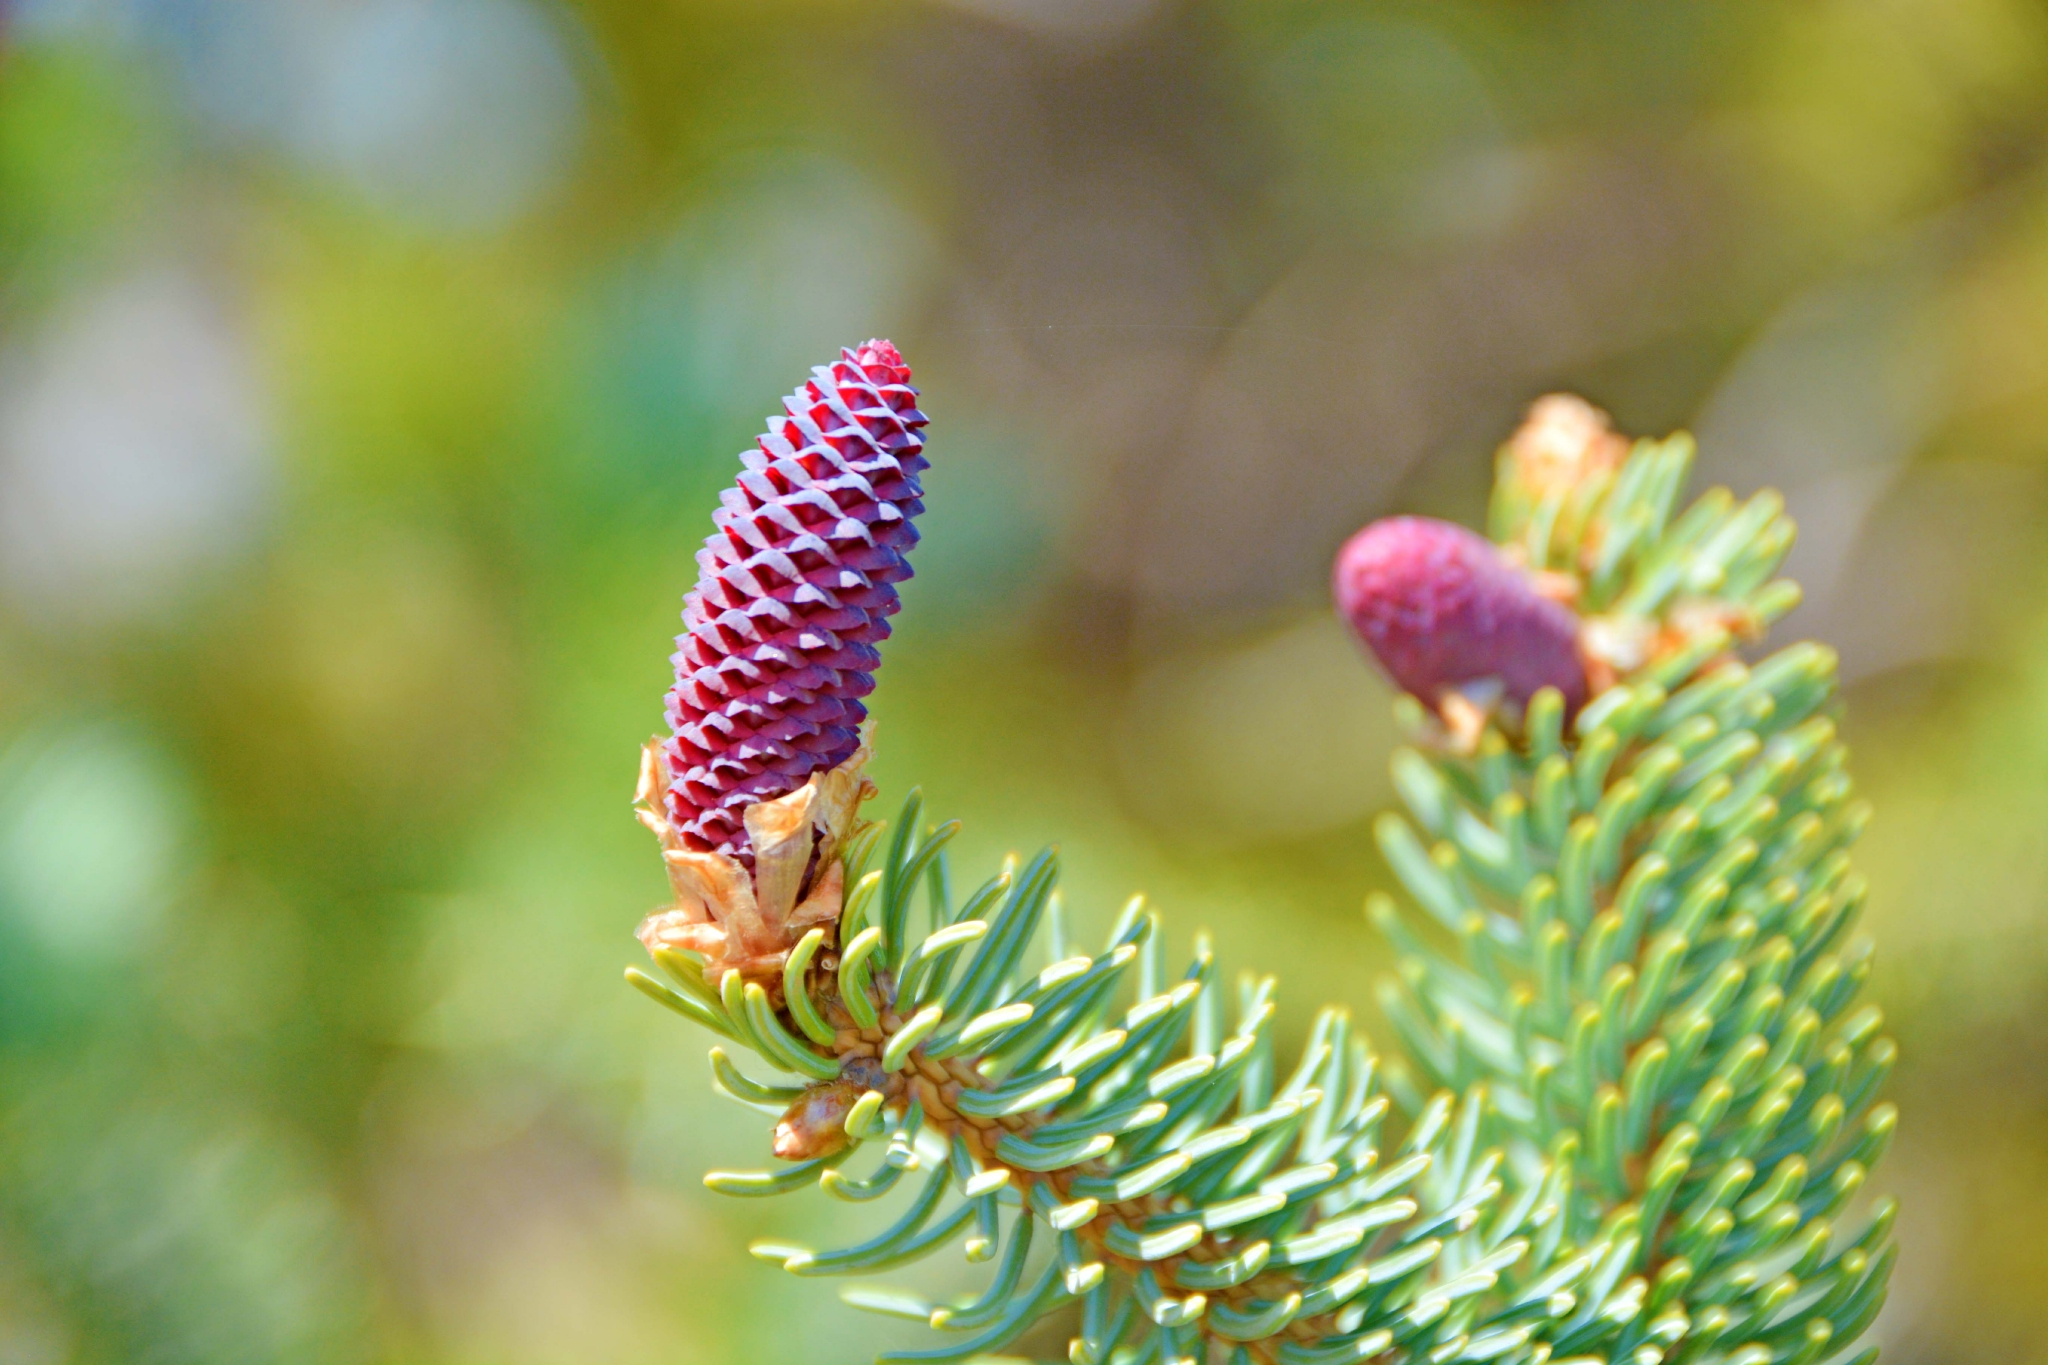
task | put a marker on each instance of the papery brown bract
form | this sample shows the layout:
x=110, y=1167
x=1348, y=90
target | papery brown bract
x=736, y=917
x=815, y=1125
x=1563, y=443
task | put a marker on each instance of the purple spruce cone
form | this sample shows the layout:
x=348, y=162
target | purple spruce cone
x=1439, y=607
x=794, y=592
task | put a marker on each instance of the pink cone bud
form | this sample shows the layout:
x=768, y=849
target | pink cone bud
x=794, y=592
x=1439, y=607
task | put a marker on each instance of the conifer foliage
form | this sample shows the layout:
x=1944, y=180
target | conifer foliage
x=1635, y=1098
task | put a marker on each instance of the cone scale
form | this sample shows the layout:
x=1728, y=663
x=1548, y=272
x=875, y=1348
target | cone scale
x=795, y=590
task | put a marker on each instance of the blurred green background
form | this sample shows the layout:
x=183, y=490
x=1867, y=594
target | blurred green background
x=368, y=370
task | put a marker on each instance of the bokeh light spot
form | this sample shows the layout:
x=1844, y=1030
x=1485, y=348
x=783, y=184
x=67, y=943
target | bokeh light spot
x=133, y=452
x=94, y=834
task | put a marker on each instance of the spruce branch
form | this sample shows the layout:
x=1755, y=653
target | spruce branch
x=1635, y=1093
